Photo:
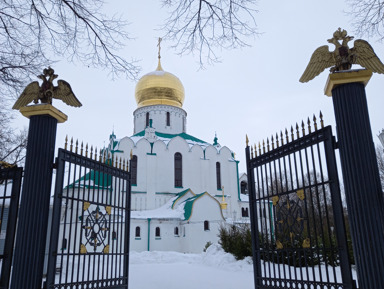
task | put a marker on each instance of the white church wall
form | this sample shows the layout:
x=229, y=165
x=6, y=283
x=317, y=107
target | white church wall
x=158, y=114
x=138, y=242
x=167, y=240
x=204, y=209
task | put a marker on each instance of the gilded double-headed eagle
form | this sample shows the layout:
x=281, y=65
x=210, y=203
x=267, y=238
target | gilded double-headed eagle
x=342, y=57
x=47, y=91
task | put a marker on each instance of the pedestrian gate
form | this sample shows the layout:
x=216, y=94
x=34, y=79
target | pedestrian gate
x=297, y=223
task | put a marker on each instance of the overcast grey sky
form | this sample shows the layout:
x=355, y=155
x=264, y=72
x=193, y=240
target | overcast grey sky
x=254, y=91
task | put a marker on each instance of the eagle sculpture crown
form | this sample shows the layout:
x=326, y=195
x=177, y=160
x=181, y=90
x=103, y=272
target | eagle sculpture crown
x=47, y=91
x=342, y=57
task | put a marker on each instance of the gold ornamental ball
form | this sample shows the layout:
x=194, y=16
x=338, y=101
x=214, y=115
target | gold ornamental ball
x=159, y=87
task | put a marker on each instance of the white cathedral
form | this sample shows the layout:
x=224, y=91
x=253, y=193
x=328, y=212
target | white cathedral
x=183, y=188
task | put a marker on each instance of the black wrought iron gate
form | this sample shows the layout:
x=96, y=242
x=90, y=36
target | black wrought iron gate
x=89, y=245
x=298, y=229
x=10, y=185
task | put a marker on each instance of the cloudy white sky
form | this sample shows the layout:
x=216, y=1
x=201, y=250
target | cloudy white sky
x=253, y=90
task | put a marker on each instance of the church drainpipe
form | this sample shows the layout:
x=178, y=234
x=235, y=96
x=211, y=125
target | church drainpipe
x=149, y=232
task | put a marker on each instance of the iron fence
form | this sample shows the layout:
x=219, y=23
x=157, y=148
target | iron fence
x=10, y=186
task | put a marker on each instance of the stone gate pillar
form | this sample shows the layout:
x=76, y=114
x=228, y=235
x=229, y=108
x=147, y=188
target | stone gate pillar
x=362, y=185
x=34, y=207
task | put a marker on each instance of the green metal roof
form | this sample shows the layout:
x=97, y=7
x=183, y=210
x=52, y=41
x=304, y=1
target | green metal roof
x=170, y=136
x=93, y=180
x=189, y=205
x=179, y=195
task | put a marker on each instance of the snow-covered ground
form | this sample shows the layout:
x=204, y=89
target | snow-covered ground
x=212, y=269
x=171, y=270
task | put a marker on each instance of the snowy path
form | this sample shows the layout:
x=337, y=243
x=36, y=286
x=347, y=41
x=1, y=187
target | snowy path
x=171, y=270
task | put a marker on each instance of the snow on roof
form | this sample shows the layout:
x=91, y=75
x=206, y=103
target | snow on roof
x=164, y=212
x=165, y=137
x=182, y=211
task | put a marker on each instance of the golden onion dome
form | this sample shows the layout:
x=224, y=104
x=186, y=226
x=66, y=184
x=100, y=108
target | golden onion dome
x=159, y=87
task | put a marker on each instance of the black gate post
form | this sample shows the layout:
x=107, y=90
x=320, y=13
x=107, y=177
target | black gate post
x=254, y=223
x=360, y=173
x=34, y=207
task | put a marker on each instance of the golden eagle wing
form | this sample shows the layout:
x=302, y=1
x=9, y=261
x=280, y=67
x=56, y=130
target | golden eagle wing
x=366, y=57
x=321, y=59
x=30, y=93
x=64, y=92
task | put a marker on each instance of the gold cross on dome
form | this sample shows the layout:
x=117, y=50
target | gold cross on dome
x=160, y=39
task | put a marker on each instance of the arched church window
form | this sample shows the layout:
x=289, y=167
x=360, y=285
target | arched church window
x=134, y=170
x=218, y=176
x=206, y=225
x=176, y=231
x=157, y=232
x=147, y=119
x=137, y=232
x=178, y=170
x=244, y=187
x=168, y=118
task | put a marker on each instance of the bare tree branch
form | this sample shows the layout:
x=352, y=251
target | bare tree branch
x=207, y=25
x=35, y=33
x=12, y=143
x=368, y=17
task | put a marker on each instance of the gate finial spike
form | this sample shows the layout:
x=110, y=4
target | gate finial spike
x=123, y=164
x=268, y=144
x=259, y=149
x=255, y=150
x=309, y=125
x=77, y=146
x=277, y=140
x=321, y=120
x=81, y=149
x=303, y=127
x=292, y=134
x=86, y=150
x=314, y=122
x=252, y=152
x=246, y=140
x=272, y=142
x=91, y=155
x=95, y=153
x=131, y=154
x=100, y=155
x=297, y=131
x=281, y=138
x=71, y=146
x=263, y=147
x=286, y=135
x=66, y=142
